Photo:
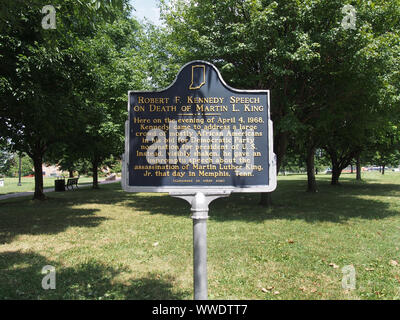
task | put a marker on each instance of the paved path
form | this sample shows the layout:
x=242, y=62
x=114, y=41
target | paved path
x=30, y=193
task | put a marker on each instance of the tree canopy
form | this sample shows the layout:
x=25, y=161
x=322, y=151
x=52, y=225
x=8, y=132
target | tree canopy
x=331, y=87
x=334, y=76
x=48, y=76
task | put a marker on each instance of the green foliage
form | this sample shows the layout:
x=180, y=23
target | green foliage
x=13, y=167
x=63, y=92
x=115, y=65
x=114, y=164
x=6, y=161
x=47, y=75
x=162, y=56
x=385, y=147
x=330, y=87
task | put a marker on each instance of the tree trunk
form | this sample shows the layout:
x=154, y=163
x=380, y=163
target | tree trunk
x=95, y=165
x=383, y=169
x=20, y=170
x=336, y=171
x=351, y=170
x=266, y=199
x=37, y=163
x=280, y=147
x=71, y=173
x=340, y=162
x=358, y=168
x=310, y=161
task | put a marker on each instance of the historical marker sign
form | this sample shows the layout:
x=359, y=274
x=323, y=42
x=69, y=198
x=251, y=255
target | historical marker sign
x=199, y=134
x=199, y=140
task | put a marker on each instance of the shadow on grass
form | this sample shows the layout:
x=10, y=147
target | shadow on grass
x=31, y=190
x=34, y=218
x=290, y=202
x=21, y=278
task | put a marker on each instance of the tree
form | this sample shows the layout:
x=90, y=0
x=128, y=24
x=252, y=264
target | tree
x=324, y=80
x=385, y=150
x=360, y=87
x=117, y=64
x=6, y=162
x=26, y=166
x=256, y=45
x=41, y=71
x=347, y=80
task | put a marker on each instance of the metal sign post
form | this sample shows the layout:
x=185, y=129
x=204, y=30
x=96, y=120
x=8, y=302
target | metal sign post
x=199, y=203
x=199, y=140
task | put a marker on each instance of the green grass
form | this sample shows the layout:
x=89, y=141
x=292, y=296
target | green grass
x=103, y=243
x=28, y=184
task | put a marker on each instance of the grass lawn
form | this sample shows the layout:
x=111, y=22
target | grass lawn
x=28, y=184
x=108, y=244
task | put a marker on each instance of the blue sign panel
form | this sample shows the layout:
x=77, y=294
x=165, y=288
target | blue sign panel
x=199, y=134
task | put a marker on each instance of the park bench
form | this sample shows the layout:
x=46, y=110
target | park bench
x=71, y=182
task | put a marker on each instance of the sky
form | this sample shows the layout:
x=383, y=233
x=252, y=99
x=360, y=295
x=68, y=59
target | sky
x=146, y=9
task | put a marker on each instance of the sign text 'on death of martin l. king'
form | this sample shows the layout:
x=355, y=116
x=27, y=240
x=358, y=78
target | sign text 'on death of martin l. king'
x=199, y=134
